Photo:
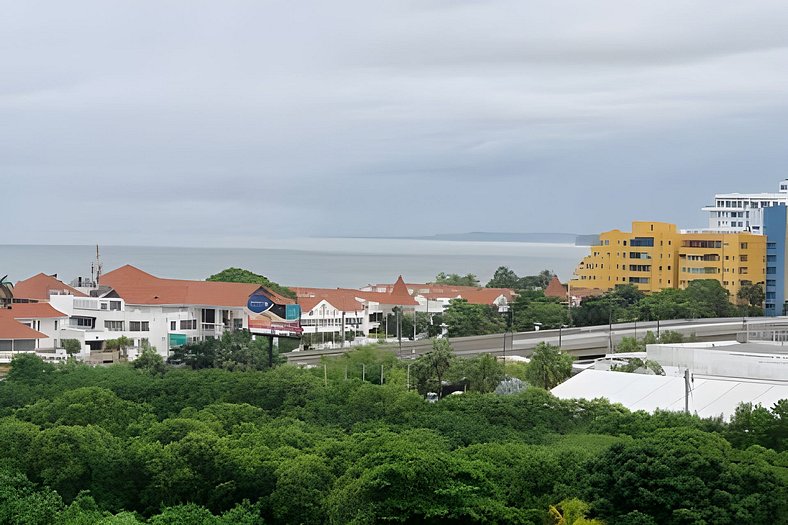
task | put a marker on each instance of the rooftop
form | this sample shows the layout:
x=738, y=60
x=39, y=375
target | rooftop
x=138, y=287
x=41, y=286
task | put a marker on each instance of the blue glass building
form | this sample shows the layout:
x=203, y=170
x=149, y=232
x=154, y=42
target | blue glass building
x=774, y=227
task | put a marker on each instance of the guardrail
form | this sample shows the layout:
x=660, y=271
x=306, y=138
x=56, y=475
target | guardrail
x=580, y=341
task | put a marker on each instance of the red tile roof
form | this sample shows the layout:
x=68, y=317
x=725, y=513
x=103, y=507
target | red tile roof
x=555, y=289
x=31, y=311
x=10, y=329
x=138, y=287
x=39, y=287
x=400, y=296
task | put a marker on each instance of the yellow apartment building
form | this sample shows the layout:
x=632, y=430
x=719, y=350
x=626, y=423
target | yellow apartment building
x=656, y=255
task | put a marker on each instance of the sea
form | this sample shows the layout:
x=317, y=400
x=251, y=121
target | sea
x=315, y=262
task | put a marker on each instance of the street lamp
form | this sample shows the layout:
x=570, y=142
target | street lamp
x=504, y=309
x=560, y=333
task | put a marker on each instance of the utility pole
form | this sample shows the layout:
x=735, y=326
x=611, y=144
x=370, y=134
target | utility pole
x=686, y=390
x=610, y=330
x=381, y=373
x=399, y=329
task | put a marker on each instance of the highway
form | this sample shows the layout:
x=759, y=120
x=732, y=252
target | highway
x=584, y=343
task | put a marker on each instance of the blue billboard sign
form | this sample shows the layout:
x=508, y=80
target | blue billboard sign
x=292, y=312
x=259, y=303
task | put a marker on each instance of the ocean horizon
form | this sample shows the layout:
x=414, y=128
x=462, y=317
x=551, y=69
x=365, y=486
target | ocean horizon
x=317, y=262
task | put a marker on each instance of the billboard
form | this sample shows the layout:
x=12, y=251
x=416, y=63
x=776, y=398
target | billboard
x=259, y=303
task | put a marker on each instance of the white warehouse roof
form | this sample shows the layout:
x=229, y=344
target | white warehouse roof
x=710, y=396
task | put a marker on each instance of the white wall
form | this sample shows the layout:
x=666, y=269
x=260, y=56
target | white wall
x=724, y=361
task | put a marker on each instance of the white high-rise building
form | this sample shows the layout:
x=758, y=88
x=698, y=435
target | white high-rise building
x=742, y=212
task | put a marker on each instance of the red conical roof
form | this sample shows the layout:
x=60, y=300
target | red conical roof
x=399, y=295
x=555, y=289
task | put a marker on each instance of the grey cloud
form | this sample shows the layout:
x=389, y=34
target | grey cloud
x=242, y=120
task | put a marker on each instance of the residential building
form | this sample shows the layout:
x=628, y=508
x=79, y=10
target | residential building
x=434, y=297
x=743, y=212
x=41, y=317
x=655, y=256
x=172, y=312
x=166, y=313
x=328, y=313
x=16, y=337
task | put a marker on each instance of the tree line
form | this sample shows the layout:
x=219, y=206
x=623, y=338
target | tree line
x=218, y=445
x=532, y=310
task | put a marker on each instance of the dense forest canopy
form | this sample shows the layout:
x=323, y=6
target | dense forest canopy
x=168, y=445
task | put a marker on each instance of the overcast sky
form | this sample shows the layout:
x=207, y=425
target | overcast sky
x=227, y=122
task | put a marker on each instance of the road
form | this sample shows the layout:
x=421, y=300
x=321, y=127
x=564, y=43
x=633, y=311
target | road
x=584, y=343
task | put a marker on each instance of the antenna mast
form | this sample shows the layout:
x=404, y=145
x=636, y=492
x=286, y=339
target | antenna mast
x=98, y=266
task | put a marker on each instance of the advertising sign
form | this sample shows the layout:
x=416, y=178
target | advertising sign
x=259, y=303
x=293, y=312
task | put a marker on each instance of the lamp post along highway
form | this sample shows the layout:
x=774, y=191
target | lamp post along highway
x=506, y=309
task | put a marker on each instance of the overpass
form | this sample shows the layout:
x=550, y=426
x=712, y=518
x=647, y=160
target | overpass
x=582, y=342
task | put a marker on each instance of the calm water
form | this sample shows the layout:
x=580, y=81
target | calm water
x=306, y=262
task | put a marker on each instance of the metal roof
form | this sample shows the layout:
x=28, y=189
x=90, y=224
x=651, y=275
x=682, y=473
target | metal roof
x=709, y=397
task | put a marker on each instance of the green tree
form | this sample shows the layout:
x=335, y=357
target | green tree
x=682, y=475
x=464, y=319
x=535, y=282
x=71, y=346
x=150, y=360
x=503, y=278
x=548, y=366
x=239, y=275
x=483, y=372
x=120, y=344
x=236, y=350
x=29, y=368
x=571, y=512
x=712, y=299
x=456, y=279
x=302, y=485
x=430, y=369
x=752, y=294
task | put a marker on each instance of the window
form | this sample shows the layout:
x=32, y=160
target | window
x=702, y=244
x=771, y=245
x=114, y=306
x=642, y=241
x=114, y=326
x=743, y=246
x=173, y=325
x=638, y=280
x=139, y=326
x=769, y=258
x=82, y=322
x=189, y=324
x=771, y=270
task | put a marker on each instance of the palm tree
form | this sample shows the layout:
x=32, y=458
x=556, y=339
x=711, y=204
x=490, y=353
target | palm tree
x=6, y=292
